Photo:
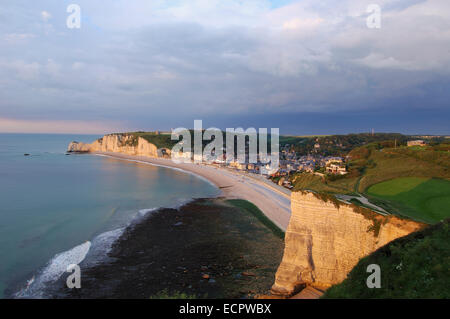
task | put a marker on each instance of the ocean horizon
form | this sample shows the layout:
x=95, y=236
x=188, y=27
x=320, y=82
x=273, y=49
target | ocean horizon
x=58, y=209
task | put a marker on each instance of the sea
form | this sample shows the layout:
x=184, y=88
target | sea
x=58, y=209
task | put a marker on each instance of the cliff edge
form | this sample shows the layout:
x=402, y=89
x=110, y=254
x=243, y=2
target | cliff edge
x=326, y=238
x=120, y=143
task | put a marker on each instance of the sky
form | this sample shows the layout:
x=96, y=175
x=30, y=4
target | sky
x=306, y=67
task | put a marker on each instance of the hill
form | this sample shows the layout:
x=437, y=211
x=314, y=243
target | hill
x=425, y=199
x=160, y=140
x=415, y=266
x=337, y=145
x=380, y=162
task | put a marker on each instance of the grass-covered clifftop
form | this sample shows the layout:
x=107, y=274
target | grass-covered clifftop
x=426, y=168
x=379, y=162
x=421, y=198
x=376, y=163
x=160, y=140
x=415, y=266
x=337, y=144
x=164, y=139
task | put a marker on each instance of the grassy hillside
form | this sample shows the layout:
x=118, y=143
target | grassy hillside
x=380, y=162
x=159, y=140
x=308, y=181
x=421, y=198
x=163, y=140
x=337, y=144
x=389, y=163
x=415, y=266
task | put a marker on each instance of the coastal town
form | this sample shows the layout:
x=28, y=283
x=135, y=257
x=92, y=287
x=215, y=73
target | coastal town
x=327, y=157
x=304, y=174
x=318, y=160
x=290, y=163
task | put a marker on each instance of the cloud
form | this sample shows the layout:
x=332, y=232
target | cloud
x=298, y=23
x=17, y=37
x=413, y=32
x=378, y=61
x=21, y=69
x=46, y=16
x=162, y=61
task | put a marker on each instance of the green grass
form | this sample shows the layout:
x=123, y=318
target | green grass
x=423, y=199
x=393, y=163
x=415, y=266
x=423, y=175
x=309, y=181
x=255, y=211
x=370, y=165
x=159, y=140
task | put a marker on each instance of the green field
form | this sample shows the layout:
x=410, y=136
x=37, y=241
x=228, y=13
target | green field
x=416, y=266
x=373, y=164
x=423, y=199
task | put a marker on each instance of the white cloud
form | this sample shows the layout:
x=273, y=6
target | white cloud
x=378, y=61
x=21, y=69
x=17, y=37
x=78, y=65
x=304, y=24
x=52, y=68
x=45, y=16
x=216, y=57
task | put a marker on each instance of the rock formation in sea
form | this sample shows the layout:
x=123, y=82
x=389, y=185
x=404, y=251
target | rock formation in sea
x=326, y=238
x=120, y=143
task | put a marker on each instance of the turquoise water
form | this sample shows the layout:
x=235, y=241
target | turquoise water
x=51, y=202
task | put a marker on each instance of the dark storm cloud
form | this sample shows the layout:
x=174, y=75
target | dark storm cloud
x=303, y=67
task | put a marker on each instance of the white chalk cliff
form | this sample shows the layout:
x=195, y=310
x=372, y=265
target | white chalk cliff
x=119, y=143
x=325, y=240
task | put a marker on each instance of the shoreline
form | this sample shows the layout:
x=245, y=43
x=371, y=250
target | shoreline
x=220, y=251
x=231, y=185
x=274, y=202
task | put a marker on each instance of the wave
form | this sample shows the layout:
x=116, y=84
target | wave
x=146, y=212
x=101, y=246
x=55, y=268
x=88, y=254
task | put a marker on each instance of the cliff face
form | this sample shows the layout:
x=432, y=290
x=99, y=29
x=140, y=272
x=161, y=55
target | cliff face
x=118, y=143
x=325, y=240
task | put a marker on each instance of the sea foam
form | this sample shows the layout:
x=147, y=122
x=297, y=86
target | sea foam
x=54, y=269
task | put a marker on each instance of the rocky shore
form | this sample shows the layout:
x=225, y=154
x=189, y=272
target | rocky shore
x=205, y=249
